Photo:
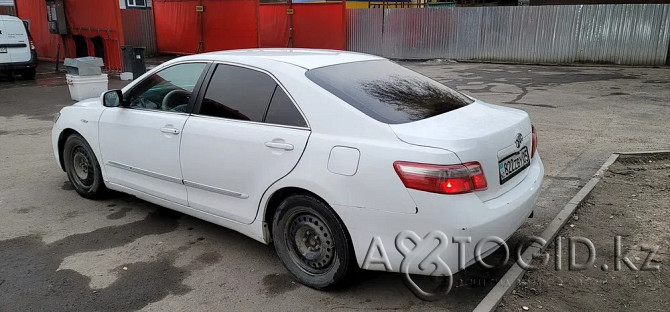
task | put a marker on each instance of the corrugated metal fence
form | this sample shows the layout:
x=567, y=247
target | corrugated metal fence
x=138, y=29
x=635, y=34
x=7, y=10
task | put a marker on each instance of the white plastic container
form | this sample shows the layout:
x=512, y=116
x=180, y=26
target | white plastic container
x=126, y=76
x=86, y=87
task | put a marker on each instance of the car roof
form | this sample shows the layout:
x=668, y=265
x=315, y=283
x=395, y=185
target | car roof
x=305, y=58
x=9, y=18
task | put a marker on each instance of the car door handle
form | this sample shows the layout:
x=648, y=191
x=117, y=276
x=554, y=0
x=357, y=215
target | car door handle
x=284, y=146
x=170, y=130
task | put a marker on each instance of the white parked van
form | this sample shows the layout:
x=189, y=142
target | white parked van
x=17, y=52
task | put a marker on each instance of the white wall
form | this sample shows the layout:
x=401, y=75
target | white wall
x=122, y=3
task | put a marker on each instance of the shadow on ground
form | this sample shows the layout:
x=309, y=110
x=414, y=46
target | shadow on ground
x=30, y=279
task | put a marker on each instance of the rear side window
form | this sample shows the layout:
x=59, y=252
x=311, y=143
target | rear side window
x=282, y=111
x=238, y=93
x=388, y=92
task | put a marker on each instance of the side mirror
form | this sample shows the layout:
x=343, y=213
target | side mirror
x=112, y=98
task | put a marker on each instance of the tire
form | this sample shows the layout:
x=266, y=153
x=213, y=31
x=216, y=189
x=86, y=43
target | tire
x=82, y=168
x=323, y=258
x=28, y=74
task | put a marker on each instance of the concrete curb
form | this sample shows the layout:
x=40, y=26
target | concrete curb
x=515, y=273
x=586, y=65
x=645, y=153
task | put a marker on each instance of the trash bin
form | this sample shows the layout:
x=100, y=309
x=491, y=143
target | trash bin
x=134, y=60
x=139, y=63
x=127, y=52
x=84, y=66
x=85, y=79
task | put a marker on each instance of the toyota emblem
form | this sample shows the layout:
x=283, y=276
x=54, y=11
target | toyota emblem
x=519, y=140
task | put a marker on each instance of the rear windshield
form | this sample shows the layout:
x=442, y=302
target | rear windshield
x=387, y=91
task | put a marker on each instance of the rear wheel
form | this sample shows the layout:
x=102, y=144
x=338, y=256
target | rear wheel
x=82, y=167
x=312, y=242
x=28, y=74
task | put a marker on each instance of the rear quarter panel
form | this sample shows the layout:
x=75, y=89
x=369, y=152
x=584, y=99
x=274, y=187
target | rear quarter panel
x=334, y=123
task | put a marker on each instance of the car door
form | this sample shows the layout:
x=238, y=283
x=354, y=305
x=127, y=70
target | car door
x=139, y=141
x=245, y=134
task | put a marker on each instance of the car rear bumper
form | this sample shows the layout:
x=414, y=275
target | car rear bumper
x=32, y=63
x=459, y=217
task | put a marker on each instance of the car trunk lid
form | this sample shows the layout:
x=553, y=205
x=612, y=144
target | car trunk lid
x=14, y=42
x=478, y=132
x=4, y=55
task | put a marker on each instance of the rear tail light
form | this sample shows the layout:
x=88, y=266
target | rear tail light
x=26, y=24
x=30, y=39
x=444, y=179
x=534, y=141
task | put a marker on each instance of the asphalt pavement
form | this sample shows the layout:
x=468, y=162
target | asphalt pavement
x=59, y=251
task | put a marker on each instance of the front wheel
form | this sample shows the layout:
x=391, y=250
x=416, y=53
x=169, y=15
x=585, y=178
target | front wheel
x=312, y=242
x=82, y=167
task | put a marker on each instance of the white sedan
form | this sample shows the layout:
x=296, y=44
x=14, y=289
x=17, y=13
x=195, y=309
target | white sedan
x=328, y=154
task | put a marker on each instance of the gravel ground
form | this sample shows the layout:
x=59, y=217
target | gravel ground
x=631, y=201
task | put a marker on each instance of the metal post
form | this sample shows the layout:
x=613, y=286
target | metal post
x=57, y=55
x=201, y=17
x=289, y=44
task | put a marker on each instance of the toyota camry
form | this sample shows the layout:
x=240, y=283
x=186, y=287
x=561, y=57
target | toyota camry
x=329, y=155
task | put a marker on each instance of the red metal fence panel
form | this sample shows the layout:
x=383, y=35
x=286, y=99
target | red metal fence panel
x=45, y=43
x=89, y=19
x=232, y=25
x=320, y=25
x=222, y=24
x=176, y=24
x=182, y=28
x=315, y=25
x=273, y=28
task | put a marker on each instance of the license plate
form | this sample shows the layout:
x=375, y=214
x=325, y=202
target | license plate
x=3, y=50
x=513, y=164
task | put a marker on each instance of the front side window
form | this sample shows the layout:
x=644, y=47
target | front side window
x=388, y=92
x=167, y=90
x=238, y=93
